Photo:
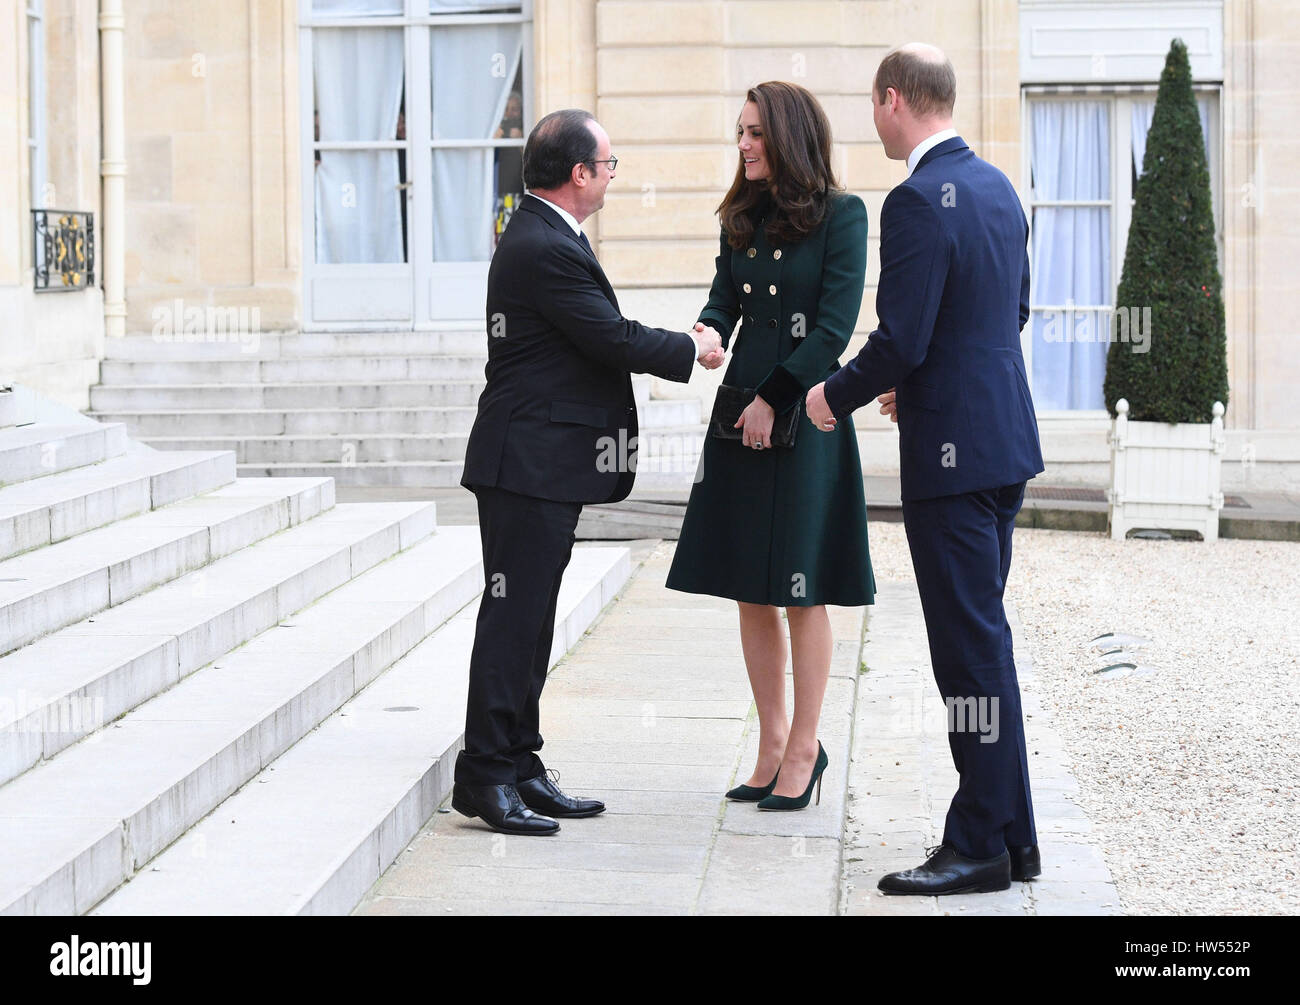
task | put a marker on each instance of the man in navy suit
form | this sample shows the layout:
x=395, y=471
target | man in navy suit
x=946, y=363
x=556, y=428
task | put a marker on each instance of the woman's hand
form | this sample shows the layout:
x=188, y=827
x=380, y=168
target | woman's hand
x=756, y=424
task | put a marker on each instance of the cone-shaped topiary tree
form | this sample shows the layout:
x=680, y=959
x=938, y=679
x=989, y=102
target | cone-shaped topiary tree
x=1171, y=266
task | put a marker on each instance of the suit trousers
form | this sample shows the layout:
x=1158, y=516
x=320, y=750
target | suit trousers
x=961, y=552
x=527, y=543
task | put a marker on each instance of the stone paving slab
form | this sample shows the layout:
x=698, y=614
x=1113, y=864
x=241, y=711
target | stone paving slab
x=902, y=780
x=652, y=713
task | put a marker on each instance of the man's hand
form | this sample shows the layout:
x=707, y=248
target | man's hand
x=888, y=404
x=819, y=412
x=709, y=344
x=755, y=424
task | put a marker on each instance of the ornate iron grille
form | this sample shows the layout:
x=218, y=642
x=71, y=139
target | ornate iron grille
x=63, y=250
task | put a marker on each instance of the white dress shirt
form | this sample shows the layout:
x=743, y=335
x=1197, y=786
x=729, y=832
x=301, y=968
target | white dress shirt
x=565, y=215
x=919, y=151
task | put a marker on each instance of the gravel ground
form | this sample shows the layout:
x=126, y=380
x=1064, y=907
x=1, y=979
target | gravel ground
x=1190, y=774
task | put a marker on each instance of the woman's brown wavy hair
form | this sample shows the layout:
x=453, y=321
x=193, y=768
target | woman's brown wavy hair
x=797, y=145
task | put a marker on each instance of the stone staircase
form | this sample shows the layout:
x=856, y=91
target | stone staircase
x=366, y=408
x=224, y=694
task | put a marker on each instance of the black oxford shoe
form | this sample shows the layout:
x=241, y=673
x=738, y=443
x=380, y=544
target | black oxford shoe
x=501, y=807
x=1025, y=863
x=946, y=872
x=543, y=795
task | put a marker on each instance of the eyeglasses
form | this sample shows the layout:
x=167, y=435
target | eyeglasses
x=611, y=161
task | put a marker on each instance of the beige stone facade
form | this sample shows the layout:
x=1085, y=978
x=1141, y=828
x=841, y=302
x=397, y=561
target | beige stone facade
x=214, y=191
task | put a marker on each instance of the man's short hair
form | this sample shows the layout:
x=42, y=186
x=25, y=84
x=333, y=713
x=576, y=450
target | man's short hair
x=928, y=86
x=558, y=142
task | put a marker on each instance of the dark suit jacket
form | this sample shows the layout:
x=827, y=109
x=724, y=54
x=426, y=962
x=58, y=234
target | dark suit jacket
x=557, y=419
x=952, y=298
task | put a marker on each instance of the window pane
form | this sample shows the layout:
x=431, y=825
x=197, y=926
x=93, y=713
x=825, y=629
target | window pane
x=1070, y=252
x=1070, y=154
x=357, y=8
x=357, y=106
x=475, y=81
x=477, y=93
x=466, y=207
x=1069, y=358
x=359, y=208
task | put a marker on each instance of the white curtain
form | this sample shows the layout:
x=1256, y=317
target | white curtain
x=1140, y=125
x=473, y=69
x=1070, y=255
x=358, y=76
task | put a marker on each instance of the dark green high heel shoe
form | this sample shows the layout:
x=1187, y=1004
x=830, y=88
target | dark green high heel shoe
x=799, y=802
x=752, y=793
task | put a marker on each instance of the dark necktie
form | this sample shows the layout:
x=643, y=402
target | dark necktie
x=586, y=244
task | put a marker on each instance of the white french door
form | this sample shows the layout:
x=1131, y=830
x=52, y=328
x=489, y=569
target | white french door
x=414, y=114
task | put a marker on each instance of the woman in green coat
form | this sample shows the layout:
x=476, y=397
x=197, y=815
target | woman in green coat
x=768, y=526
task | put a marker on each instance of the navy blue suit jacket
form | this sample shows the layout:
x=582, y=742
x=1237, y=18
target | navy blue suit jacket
x=952, y=298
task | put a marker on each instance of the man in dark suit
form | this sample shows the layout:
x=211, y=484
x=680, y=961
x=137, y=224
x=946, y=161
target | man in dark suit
x=945, y=360
x=556, y=428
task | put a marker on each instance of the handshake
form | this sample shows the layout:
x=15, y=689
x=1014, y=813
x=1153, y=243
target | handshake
x=709, y=344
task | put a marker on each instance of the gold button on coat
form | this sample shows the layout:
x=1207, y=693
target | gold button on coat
x=752, y=252
x=772, y=290
x=747, y=288
x=777, y=254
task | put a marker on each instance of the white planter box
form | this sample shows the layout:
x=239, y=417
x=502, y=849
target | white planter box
x=1165, y=475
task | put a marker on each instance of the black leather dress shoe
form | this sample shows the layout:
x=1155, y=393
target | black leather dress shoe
x=501, y=807
x=543, y=795
x=946, y=872
x=1025, y=863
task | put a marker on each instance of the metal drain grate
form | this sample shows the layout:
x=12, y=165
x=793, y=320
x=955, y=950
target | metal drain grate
x=1066, y=494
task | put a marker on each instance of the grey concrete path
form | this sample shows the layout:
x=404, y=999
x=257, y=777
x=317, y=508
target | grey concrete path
x=902, y=780
x=652, y=713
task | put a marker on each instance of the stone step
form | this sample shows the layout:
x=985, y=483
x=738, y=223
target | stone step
x=41, y=591
x=313, y=832
x=353, y=421
x=75, y=828
x=51, y=509
x=278, y=396
x=343, y=450
x=667, y=460
x=244, y=397
x=410, y=474
x=66, y=685
x=40, y=449
x=265, y=345
x=664, y=450
x=294, y=421
x=299, y=370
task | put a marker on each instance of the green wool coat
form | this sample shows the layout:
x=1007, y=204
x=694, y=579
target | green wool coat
x=783, y=526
